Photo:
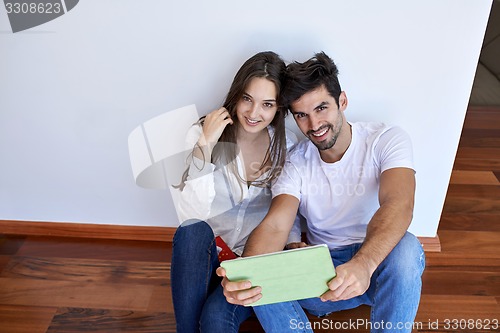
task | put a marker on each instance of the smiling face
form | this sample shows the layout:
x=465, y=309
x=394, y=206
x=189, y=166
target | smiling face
x=320, y=119
x=257, y=106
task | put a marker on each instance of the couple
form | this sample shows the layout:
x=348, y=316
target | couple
x=246, y=183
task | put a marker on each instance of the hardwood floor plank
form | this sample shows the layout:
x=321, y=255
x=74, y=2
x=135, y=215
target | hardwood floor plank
x=14, y=291
x=470, y=222
x=4, y=260
x=161, y=300
x=88, y=270
x=485, y=253
x=474, y=191
x=472, y=109
x=481, y=164
x=465, y=242
x=478, y=152
x=455, y=314
x=468, y=205
x=75, y=320
x=477, y=159
x=474, y=263
x=497, y=174
x=483, y=138
x=443, y=307
x=484, y=119
x=473, y=177
x=461, y=283
x=24, y=319
x=9, y=245
x=110, y=249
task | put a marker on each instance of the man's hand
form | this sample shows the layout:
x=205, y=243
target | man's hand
x=353, y=279
x=240, y=293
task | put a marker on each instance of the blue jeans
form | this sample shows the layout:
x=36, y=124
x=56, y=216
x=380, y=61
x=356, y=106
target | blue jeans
x=394, y=292
x=283, y=317
x=199, y=302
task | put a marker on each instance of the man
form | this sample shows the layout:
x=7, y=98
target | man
x=354, y=183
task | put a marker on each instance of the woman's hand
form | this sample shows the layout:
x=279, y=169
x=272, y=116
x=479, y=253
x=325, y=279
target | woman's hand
x=213, y=126
x=240, y=293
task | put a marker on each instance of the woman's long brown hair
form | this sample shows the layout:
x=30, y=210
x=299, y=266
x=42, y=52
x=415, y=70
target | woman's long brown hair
x=266, y=65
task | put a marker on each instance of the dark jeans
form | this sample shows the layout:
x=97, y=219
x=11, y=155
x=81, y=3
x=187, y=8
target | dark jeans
x=196, y=291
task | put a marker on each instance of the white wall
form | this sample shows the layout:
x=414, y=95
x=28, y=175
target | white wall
x=73, y=89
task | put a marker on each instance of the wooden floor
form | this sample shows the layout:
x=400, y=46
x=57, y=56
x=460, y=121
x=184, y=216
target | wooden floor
x=90, y=285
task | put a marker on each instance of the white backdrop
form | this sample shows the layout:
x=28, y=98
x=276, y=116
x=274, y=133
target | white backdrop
x=73, y=89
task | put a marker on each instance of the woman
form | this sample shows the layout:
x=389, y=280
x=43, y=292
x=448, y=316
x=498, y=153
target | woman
x=237, y=151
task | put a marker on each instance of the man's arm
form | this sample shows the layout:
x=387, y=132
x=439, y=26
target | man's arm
x=272, y=233
x=269, y=236
x=386, y=228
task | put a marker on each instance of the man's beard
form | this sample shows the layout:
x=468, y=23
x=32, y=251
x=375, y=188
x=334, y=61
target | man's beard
x=327, y=144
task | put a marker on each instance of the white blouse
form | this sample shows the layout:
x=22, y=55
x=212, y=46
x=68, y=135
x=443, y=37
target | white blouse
x=213, y=194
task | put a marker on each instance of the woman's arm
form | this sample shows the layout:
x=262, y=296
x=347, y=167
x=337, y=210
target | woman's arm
x=198, y=190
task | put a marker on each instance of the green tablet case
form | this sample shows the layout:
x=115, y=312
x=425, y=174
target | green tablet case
x=285, y=275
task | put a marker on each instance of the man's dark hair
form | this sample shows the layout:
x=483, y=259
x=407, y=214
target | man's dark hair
x=301, y=78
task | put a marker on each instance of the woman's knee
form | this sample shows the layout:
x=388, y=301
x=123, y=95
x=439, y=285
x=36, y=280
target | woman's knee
x=191, y=230
x=195, y=241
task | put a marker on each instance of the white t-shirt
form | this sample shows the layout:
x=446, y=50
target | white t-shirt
x=339, y=199
x=213, y=194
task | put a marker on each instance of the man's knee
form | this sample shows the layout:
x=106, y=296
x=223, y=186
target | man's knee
x=407, y=259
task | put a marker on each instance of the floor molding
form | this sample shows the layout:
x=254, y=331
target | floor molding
x=87, y=230
x=123, y=232
x=430, y=244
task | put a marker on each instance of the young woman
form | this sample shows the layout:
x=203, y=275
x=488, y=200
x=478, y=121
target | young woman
x=237, y=151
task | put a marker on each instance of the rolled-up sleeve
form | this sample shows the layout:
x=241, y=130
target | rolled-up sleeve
x=199, y=190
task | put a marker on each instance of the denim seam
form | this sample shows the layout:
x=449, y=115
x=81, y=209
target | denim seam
x=297, y=315
x=209, y=275
x=422, y=261
x=233, y=318
x=372, y=310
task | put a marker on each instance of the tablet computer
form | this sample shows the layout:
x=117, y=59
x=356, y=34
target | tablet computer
x=285, y=275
